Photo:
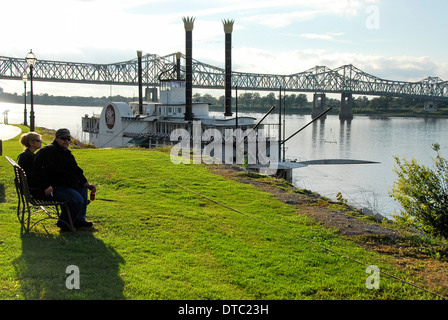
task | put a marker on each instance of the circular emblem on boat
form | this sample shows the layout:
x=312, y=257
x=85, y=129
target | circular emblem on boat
x=110, y=116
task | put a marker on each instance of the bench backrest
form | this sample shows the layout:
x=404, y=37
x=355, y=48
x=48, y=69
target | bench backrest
x=20, y=180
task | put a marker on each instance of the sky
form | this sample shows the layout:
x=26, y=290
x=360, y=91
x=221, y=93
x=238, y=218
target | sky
x=391, y=39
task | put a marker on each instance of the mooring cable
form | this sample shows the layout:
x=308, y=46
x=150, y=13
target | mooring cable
x=312, y=242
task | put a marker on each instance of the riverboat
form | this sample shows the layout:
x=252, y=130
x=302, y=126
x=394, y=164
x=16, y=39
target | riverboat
x=174, y=119
x=162, y=122
x=121, y=124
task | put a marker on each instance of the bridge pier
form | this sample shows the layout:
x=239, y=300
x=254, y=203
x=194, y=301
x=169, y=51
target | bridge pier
x=346, y=112
x=319, y=100
x=151, y=94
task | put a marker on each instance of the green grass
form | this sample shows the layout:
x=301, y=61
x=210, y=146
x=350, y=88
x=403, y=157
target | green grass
x=155, y=240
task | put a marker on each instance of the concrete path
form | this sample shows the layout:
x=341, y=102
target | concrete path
x=8, y=132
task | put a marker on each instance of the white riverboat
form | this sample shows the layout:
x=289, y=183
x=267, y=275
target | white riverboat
x=121, y=124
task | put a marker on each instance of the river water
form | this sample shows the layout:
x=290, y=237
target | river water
x=364, y=138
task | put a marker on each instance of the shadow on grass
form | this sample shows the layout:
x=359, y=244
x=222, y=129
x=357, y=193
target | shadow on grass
x=45, y=257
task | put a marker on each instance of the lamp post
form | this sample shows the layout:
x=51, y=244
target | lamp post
x=25, y=79
x=31, y=60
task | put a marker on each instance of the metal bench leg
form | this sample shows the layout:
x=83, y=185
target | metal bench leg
x=27, y=229
x=69, y=216
x=72, y=228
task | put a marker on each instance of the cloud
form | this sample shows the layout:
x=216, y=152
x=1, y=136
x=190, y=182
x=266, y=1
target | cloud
x=304, y=10
x=69, y=29
x=399, y=68
x=107, y=31
x=320, y=36
x=281, y=20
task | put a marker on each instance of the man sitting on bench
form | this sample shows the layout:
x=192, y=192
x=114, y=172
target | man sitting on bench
x=56, y=171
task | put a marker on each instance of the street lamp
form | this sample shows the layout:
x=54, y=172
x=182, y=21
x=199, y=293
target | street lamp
x=31, y=60
x=25, y=79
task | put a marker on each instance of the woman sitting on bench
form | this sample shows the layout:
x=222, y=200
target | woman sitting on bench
x=32, y=142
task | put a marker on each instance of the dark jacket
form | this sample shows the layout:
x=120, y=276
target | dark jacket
x=25, y=161
x=56, y=166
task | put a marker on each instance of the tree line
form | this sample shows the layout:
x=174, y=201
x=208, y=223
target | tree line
x=246, y=101
x=299, y=102
x=62, y=100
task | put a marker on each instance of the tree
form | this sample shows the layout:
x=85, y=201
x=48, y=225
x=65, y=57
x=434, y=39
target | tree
x=246, y=99
x=197, y=96
x=208, y=98
x=290, y=100
x=423, y=194
x=258, y=100
x=380, y=103
x=301, y=100
x=270, y=100
x=361, y=102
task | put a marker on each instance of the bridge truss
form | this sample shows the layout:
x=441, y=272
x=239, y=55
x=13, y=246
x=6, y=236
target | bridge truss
x=320, y=79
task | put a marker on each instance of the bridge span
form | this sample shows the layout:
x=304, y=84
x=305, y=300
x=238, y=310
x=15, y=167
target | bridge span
x=346, y=80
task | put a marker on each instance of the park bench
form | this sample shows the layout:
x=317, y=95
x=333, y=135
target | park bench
x=29, y=206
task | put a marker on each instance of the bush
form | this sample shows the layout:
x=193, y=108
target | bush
x=423, y=195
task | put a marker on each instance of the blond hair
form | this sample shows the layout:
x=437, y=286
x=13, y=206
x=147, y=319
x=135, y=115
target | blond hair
x=26, y=138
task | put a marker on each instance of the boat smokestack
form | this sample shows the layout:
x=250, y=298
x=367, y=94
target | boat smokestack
x=228, y=28
x=188, y=25
x=178, y=56
x=140, y=88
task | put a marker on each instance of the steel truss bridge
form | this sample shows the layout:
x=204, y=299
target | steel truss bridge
x=346, y=79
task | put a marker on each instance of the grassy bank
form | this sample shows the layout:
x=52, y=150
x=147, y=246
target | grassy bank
x=155, y=239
